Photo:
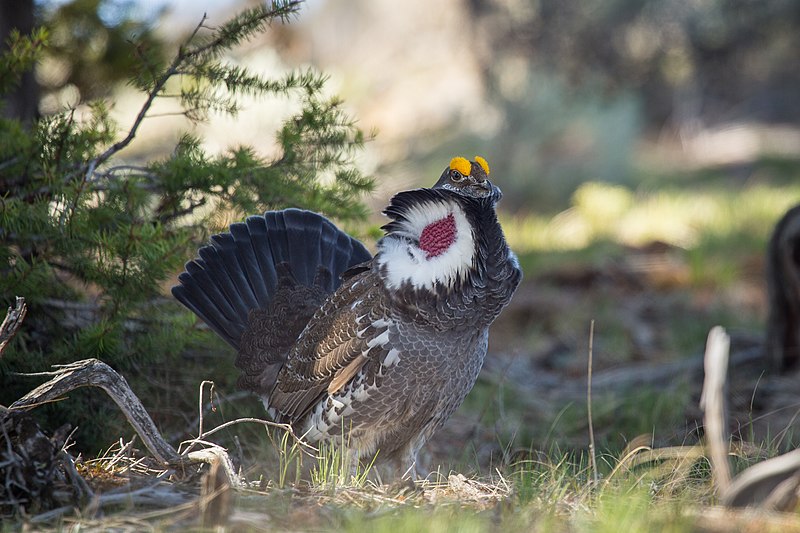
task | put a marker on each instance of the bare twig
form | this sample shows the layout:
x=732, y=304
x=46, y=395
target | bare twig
x=200, y=403
x=221, y=399
x=592, y=453
x=158, y=85
x=712, y=401
x=201, y=411
x=79, y=485
x=307, y=448
x=12, y=322
x=121, y=454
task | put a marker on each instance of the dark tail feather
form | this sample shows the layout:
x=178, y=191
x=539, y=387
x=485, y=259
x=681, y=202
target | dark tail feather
x=238, y=271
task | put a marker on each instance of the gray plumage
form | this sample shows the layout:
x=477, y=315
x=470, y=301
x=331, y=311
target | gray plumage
x=380, y=351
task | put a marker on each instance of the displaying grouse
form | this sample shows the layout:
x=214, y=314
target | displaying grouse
x=378, y=351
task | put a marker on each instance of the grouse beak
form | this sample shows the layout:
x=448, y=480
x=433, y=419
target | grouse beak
x=479, y=188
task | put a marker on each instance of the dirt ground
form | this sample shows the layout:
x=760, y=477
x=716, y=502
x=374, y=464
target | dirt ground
x=647, y=346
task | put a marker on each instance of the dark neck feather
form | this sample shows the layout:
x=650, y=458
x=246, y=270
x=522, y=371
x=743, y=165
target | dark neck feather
x=401, y=203
x=486, y=289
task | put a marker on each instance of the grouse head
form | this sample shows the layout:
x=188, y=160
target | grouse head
x=468, y=178
x=437, y=236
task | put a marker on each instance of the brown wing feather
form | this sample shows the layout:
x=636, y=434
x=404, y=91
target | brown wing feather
x=345, y=374
x=334, y=346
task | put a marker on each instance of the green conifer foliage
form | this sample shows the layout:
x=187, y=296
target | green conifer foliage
x=91, y=240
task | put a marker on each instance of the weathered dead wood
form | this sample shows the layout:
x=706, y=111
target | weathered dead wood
x=12, y=322
x=215, y=502
x=772, y=484
x=712, y=401
x=159, y=494
x=218, y=458
x=783, y=285
x=33, y=467
x=95, y=373
x=79, y=485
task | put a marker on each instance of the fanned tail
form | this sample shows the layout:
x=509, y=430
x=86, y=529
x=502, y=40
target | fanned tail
x=242, y=270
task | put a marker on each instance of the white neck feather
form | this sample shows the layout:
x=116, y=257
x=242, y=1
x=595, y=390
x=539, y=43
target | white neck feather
x=399, y=252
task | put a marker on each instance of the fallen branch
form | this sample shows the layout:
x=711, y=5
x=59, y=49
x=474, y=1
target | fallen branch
x=772, y=484
x=95, y=373
x=307, y=448
x=218, y=458
x=613, y=380
x=215, y=500
x=159, y=494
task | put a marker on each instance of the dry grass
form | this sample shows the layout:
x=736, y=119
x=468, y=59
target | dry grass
x=647, y=490
x=643, y=488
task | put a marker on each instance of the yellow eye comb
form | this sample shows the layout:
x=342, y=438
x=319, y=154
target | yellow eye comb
x=461, y=164
x=482, y=162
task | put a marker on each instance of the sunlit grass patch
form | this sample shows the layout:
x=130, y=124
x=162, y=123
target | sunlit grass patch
x=706, y=222
x=423, y=521
x=336, y=467
x=638, y=489
x=635, y=510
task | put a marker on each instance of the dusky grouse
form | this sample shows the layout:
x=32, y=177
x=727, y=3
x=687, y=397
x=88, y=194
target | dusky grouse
x=378, y=351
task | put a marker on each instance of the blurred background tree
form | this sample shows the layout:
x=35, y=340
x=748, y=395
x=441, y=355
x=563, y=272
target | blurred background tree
x=712, y=61
x=555, y=94
x=21, y=101
x=88, y=53
x=581, y=82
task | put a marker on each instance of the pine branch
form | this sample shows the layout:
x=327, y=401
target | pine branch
x=231, y=33
x=151, y=96
x=238, y=80
x=244, y=26
x=131, y=226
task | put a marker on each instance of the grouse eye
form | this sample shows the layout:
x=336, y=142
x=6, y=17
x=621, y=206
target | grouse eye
x=456, y=176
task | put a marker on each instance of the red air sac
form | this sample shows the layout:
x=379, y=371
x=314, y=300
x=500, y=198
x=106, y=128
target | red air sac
x=437, y=237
